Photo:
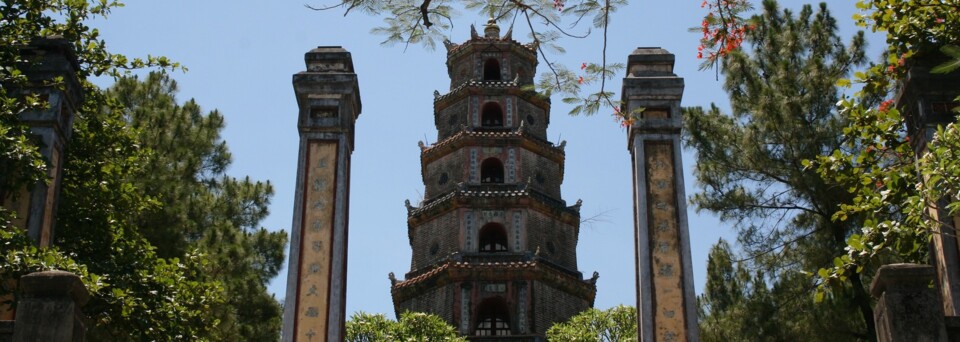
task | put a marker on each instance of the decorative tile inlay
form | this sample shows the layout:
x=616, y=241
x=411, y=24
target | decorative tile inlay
x=511, y=166
x=464, y=311
x=509, y=119
x=474, y=176
x=505, y=70
x=478, y=75
x=522, y=308
x=516, y=230
x=468, y=231
x=475, y=110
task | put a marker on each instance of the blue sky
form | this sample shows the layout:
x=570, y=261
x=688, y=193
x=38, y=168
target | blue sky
x=241, y=57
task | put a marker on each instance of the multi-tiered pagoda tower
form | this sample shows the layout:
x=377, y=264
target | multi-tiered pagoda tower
x=494, y=245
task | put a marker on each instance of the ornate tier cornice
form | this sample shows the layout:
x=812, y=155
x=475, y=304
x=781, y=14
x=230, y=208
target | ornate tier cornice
x=452, y=271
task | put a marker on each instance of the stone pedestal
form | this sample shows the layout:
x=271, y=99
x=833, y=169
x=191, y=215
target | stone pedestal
x=908, y=307
x=50, y=308
x=329, y=101
x=666, y=302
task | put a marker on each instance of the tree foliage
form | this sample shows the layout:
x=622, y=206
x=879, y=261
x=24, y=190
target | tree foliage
x=750, y=169
x=893, y=188
x=740, y=304
x=167, y=244
x=21, y=22
x=412, y=326
x=144, y=296
x=616, y=324
x=201, y=209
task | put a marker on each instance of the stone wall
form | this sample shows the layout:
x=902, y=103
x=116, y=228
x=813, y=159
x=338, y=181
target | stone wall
x=556, y=240
x=438, y=301
x=435, y=239
x=551, y=306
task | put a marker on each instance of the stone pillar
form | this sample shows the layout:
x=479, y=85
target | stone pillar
x=908, y=308
x=50, y=66
x=925, y=100
x=328, y=97
x=666, y=302
x=50, y=308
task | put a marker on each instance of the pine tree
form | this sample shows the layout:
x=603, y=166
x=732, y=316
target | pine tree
x=200, y=208
x=751, y=171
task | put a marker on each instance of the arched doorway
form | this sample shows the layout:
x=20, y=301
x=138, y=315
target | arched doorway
x=491, y=171
x=493, y=318
x=493, y=238
x=492, y=115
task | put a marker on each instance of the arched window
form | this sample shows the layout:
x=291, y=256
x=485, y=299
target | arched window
x=491, y=171
x=492, y=115
x=493, y=238
x=493, y=319
x=491, y=70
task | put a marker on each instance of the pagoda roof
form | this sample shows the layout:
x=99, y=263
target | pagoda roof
x=476, y=40
x=513, y=86
x=469, y=137
x=520, y=194
x=453, y=270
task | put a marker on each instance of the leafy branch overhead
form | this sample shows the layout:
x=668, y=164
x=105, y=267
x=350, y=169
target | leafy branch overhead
x=426, y=22
x=893, y=189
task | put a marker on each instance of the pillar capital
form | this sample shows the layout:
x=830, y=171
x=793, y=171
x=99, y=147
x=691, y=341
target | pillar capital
x=652, y=93
x=328, y=93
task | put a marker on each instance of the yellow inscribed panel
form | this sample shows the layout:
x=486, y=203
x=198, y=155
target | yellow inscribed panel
x=313, y=295
x=664, y=238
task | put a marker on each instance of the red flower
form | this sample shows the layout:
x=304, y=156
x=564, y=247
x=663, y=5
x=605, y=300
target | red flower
x=885, y=105
x=583, y=66
x=580, y=81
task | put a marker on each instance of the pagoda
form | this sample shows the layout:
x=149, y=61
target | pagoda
x=494, y=244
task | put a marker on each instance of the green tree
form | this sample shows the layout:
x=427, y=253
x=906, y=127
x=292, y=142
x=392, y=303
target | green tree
x=21, y=22
x=750, y=164
x=189, y=288
x=145, y=297
x=412, y=326
x=740, y=305
x=616, y=324
x=201, y=209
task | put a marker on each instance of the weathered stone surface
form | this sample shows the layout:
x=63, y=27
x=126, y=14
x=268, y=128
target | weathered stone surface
x=6, y=331
x=328, y=97
x=666, y=302
x=908, y=308
x=50, y=308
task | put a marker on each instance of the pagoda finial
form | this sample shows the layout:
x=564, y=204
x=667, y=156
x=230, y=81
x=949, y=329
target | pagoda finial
x=491, y=30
